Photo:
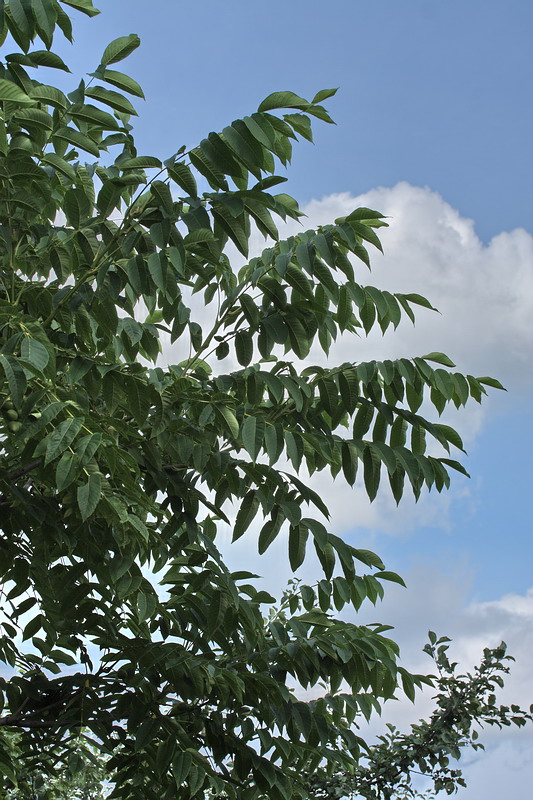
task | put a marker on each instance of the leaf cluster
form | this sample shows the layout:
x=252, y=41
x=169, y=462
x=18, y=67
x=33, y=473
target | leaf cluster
x=83, y=777
x=464, y=704
x=117, y=474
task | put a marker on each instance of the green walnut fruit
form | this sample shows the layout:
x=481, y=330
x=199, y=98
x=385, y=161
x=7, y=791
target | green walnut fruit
x=11, y=414
x=14, y=427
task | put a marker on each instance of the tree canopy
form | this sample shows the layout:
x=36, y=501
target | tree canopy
x=121, y=623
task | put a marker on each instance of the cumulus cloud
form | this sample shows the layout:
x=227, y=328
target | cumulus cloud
x=485, y=296
x=484, y=292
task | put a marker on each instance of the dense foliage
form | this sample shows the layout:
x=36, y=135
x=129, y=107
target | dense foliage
x=120, y=617
x=82, y=777
x=399, y=765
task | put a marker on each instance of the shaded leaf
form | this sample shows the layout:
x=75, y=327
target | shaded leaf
x=122, y=81
x=10, y=92
x=88, y=495
x=252, y=434
x=62, y=437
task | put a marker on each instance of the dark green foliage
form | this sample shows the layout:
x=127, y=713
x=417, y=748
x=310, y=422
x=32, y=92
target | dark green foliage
x=82, y=776
x=116, y=472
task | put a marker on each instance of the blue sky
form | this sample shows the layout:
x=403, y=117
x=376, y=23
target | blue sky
x=434, y=107
x=435, y=93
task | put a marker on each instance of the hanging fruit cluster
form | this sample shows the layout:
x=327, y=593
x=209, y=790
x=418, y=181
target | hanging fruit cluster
x=10, y=414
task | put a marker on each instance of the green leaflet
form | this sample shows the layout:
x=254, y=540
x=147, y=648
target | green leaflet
x=46, y=59
x=250, y=310
x=77, y=207
x=297, y=543
x=294, y=447
x=218, y=153
x=495, y=384
x=274, y=442
x=299, y=282
x=35, y=352
x=244, y=347
x=283, y=100
x=120, y=48
x=33, y=626
x=95, y=116
x=385, y=575
x=371, y=471
x=108, y=198
x=252, y=434
x=122, y=81
x=60, y=165
x=15, y=377
x=77, y=139
x=141, y=162
x=111, y=98
x=440, y=358
x=88, y=495
x=235, y=228
x=326, y=556
x=67, y=469
x=323, y=94
x=62, y=437
x=181, y=766
x=10, y=92
x=301, y=124
x=363, y=420
x=298, y=338
x=229, y=419
x=216, y=613
x=49, y=95
x=450, y=435
x=85, y=6
x=246, y=514
x=183, y=176
x=349, y=462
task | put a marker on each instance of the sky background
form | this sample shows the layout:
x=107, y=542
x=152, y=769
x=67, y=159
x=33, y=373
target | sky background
x=434, y=124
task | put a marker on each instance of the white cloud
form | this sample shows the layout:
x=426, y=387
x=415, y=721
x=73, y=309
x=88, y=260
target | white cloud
x=485, y=296
x=484, y=292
